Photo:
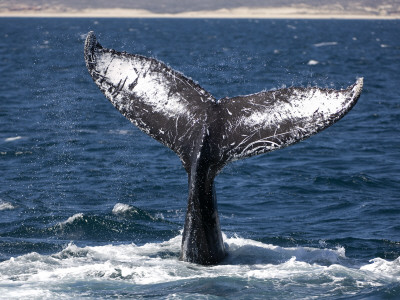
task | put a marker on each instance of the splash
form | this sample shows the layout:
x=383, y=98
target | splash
x=76, y=270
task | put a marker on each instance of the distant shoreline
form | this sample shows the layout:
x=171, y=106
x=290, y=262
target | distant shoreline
x=236, y=13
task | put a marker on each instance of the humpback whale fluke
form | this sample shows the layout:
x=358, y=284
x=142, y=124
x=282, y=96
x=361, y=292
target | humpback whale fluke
x=207, y=133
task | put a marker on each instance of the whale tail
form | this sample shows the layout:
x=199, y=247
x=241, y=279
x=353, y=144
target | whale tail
x=207, y=133
x=173, y=109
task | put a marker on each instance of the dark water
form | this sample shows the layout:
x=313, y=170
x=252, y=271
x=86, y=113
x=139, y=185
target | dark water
x=91, y=207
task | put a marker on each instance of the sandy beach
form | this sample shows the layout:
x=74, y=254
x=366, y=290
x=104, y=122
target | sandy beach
x=241, y=13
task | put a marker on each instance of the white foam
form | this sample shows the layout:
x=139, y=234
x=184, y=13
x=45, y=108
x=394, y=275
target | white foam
x=11, y=139
x=121, y=131
x=83, y=36
x=159, y=216
x=5, y=205
x=157, y=263
x=313, y=62
x=323, y=44
x=389, y=269
x=121, y=208
x=257, y=252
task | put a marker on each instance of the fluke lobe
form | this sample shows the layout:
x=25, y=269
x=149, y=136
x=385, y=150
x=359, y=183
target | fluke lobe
x=207, y=133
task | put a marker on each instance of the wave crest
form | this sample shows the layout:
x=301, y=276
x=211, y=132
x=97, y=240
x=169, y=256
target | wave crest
x=120, y=209
x=70, y=220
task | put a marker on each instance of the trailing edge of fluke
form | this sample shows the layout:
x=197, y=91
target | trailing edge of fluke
x=207, y=133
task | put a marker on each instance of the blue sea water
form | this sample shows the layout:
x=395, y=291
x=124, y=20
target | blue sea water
x=90, y=207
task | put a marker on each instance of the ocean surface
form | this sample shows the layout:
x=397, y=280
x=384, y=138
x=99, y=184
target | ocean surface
x=91, y=207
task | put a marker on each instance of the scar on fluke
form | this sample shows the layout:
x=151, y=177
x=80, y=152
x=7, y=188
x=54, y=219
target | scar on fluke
x=207, y=133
